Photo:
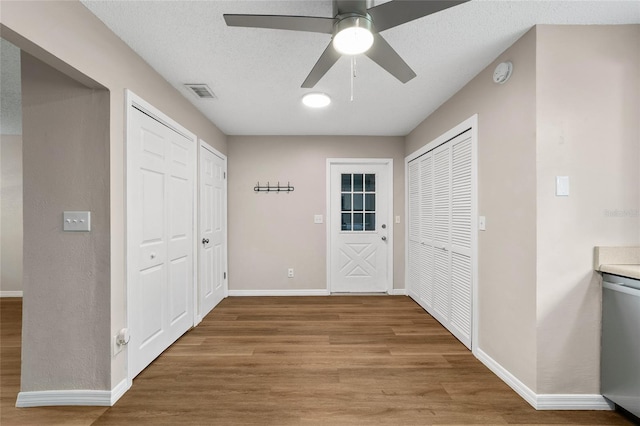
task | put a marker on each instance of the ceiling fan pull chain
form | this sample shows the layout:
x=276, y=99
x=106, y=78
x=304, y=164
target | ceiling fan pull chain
x=353, y=74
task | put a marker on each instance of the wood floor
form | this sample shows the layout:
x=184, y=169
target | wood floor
x=339, y=360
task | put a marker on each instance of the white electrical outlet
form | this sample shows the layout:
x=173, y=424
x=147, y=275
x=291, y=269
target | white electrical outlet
x=290, y=273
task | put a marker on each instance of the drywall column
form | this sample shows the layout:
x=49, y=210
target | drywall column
x=588, y=105
x=66, y=305
x=11, y=215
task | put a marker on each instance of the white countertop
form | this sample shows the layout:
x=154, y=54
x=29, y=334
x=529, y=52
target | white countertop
x=623, y=261
x=629, y=271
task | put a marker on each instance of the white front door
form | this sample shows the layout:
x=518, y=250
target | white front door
x=360, y=246
x=212, y=230
x=160, y=203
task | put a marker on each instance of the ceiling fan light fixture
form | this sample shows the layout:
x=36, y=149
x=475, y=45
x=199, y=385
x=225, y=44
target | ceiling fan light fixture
x=316, y=100
x=352, y=35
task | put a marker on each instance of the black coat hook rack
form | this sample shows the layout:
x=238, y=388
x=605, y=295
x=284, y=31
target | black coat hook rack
x=270, y=188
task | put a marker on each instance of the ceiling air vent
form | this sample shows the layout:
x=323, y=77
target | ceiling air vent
x=201, y=91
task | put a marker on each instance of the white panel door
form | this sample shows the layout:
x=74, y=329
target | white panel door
x=160, y=201
x=212, y=230
x=359, y=234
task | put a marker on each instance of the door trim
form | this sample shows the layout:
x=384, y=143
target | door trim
x=361, y=161
x=203, y=144
x=470, y=124
x=133, y=101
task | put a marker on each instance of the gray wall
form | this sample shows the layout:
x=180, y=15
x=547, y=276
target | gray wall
x=507, y=197
x=571, y=108
x=588, y=128
x=66, y=309
x=67, y=36
x=11, y=214
x=273, y=232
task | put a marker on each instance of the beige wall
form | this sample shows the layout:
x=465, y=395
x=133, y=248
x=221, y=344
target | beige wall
x=571, y=108
x=11, y=213
x=66, y=309
x=506, y=196
x=269, y=233
x=588, y=115
x=68, y=36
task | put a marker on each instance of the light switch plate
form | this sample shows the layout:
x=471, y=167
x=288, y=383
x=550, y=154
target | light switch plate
x=318, y=218
x=397, y=219
x=76, y=221
x=562, y=186
x=482, y=223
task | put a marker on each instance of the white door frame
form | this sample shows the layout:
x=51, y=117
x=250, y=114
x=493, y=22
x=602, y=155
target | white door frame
x=225, y=265
x=357, y=162
x=469, y=124
x=132, y=102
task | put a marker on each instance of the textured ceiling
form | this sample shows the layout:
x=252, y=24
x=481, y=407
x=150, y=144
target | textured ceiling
x=256, y=73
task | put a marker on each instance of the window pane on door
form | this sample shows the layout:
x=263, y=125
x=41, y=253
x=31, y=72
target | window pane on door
x=358, y=195
x=357, y=202
x=346, y=221
x=357, y=183
x=358, y=219
x=370, y=202
x=346, y=182
x=369, y=221
x=346, y=202
x=370, y=183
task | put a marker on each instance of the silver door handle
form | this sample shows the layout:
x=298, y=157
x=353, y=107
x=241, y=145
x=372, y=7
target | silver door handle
x=384, y=238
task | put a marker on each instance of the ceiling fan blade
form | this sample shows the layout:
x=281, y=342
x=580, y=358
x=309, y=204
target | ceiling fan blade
x=295, y=23
x=384, y=55
x=394, y=13
x=329, y=57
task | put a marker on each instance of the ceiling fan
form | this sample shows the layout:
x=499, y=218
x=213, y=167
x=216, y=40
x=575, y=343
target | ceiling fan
x=355, y=28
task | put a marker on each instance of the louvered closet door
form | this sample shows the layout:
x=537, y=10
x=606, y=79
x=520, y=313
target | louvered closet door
x=413, y=255
x=461, y=277
x=439, y=258
x=426, y=227
x=441, y=232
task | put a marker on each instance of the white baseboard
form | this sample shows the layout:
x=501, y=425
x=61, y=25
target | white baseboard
x=120, y=390
x=398, y=292
x=543, y=401
x=103, y=398
x=300, y=292
x=10, y=293
x=521, y=389
x=573, y=402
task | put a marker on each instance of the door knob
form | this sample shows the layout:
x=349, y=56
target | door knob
x=205, y=241
x=384, y=238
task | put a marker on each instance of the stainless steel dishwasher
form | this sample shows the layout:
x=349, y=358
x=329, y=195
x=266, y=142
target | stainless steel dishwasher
x=620, y=359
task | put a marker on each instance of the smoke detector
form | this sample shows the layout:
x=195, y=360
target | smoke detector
x=502, y=72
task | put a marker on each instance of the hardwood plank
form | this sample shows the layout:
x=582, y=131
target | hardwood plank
x=336, y=360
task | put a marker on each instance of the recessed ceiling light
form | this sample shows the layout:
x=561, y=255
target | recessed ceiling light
x=316, y=100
